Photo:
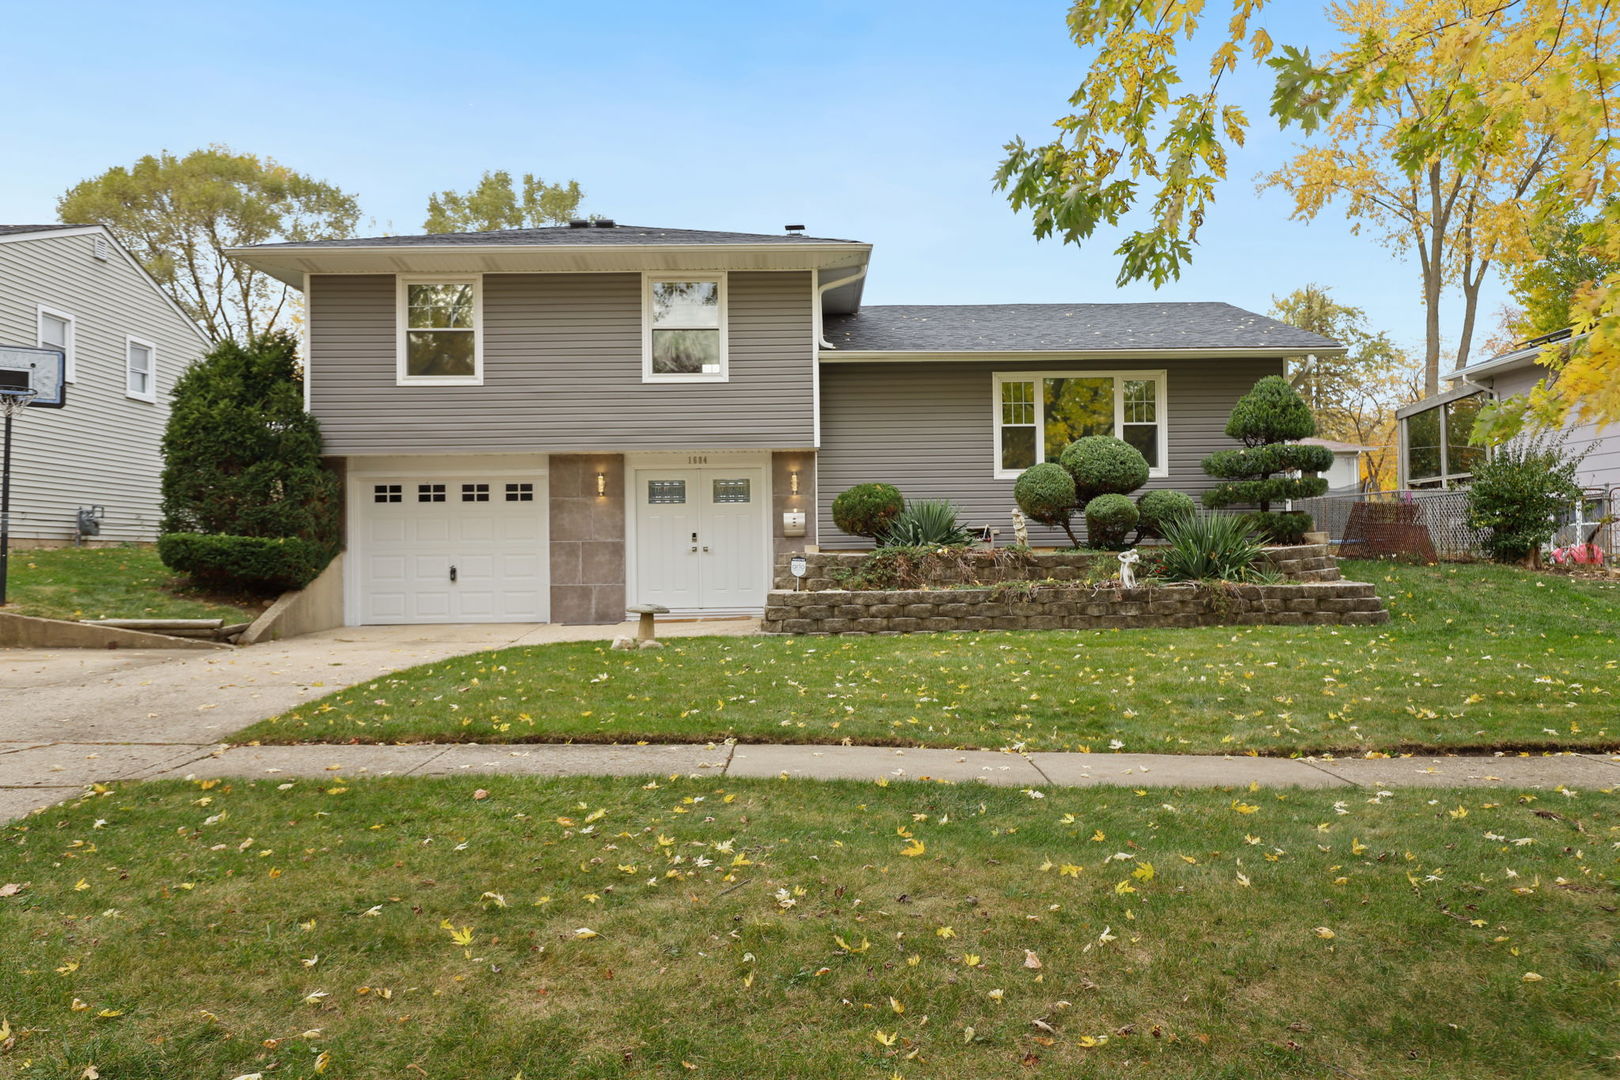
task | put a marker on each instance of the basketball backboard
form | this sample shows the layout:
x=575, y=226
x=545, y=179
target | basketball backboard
x=40, y=370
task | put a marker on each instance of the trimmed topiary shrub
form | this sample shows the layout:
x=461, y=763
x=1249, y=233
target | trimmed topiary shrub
x=868, y=509
x=926, y=523
x=1266, y=420
x=1109, y=519
x=242, y=462
x=255, y=563
x=1103, y=465
x=1157, y=508
x=1045, y=493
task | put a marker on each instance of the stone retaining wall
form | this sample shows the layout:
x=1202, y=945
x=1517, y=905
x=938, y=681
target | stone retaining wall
x=1071, y=607
x=1304, y=562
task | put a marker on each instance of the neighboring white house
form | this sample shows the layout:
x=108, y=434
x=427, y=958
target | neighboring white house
x=1345, y=475
x=75, y=288
x=1434, y=432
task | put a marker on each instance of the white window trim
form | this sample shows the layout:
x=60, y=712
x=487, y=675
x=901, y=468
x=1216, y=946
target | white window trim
x=152, y=374
x=647, y=374
x=1161, y=409
x=71, y=372
x=401, y=327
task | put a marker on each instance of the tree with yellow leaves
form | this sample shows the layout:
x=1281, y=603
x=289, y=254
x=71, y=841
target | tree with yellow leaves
x=1485, y=117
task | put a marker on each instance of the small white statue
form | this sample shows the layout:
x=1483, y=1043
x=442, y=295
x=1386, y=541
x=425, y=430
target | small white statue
x=623, y=643
x=1127, y=568
x=1020, y=529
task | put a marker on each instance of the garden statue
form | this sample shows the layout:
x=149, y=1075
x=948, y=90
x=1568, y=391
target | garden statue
x=1127, y=568
x=1020, y=529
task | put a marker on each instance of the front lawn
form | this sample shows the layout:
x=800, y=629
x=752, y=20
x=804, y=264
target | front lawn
x=108, y=583
x=1476, y=657
x=603, y=928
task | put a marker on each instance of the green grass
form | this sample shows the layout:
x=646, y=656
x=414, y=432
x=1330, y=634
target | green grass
x=109, y=583
x=1475, y=657
x=776, y=929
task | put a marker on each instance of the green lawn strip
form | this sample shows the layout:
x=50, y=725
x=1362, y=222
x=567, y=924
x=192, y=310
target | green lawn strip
x=1476, y=657
x=108, y=583
x=593, y=928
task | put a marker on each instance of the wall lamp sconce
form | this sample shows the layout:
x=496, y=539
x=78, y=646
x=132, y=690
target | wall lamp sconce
x=601, y=485
x=793, y=482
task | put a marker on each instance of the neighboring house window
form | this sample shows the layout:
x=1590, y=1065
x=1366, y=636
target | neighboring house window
x=684, y=326
x=1038, y=413
x=1438, y=454
x=140, y=369
x=56, y=331
x=440, y=331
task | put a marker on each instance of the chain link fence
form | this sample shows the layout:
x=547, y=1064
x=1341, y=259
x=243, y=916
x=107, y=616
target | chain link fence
x=1432, y=525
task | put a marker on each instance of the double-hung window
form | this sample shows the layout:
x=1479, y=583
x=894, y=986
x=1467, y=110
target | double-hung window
x=684, y=328
x=56, y=331
x=140, y=369
x=1038, y=413
x=440, y=331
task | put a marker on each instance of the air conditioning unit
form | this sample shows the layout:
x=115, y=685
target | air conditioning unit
x=103, y=248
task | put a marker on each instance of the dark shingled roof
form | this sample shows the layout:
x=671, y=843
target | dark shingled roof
x=1064, y=327
x=5, y=229
x=563, y=234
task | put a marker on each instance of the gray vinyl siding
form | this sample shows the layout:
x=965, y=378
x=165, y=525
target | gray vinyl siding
x=562, y=371
x=104, y=448
x=928, y=428
x=1601, y=466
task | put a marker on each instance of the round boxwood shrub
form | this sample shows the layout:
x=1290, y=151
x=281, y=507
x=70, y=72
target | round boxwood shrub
x=868, y=509
x=1109, y=519
x=1103, y=465
x=1045, y=493
x=1159, y=507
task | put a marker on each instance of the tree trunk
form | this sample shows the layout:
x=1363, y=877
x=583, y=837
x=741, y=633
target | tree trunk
x=1432, y=271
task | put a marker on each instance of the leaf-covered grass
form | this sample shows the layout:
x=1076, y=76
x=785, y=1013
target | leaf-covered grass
x=603, y=928
x=1475, y=657
x=108, y=583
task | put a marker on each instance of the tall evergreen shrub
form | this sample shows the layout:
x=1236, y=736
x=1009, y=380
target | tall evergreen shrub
x=242, y=458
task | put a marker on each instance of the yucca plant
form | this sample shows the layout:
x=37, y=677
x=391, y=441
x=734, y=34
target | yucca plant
x=926, y=523
x=1211, y=547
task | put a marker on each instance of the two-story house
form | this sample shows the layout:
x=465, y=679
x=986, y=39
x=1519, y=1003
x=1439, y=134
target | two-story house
x=75, y=288
x=548, y=424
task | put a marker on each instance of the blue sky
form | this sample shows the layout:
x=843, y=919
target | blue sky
x=880, y=120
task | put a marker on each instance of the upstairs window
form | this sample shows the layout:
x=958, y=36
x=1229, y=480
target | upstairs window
x=140, y=369
x=685, y=329
x=56, y=331
x=1038, y=413
x=440, y=331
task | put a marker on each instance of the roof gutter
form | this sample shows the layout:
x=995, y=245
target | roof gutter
x=928, y=355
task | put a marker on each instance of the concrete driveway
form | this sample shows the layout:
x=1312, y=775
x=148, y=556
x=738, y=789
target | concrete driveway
x=69, y=717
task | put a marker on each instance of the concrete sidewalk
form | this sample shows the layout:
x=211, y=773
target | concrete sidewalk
x=32, y=776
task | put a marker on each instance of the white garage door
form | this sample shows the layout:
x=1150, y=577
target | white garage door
x=452, y=549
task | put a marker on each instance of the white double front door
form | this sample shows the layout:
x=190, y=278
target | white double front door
x=701, y=537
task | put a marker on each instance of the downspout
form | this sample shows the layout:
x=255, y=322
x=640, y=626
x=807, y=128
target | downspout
x=820, y=342
x=821, y=336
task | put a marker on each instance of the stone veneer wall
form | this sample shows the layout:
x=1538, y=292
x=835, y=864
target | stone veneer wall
x=1303, y=562
x=1072, y=607
x=784, y=463
x=587, y=539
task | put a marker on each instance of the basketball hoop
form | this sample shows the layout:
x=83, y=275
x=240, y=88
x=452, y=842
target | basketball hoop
x=13, y=402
